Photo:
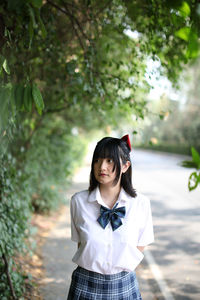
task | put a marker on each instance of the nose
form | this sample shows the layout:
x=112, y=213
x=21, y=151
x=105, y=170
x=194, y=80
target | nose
x=103, y=164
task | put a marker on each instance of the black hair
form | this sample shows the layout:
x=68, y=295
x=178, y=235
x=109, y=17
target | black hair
x=113, y=148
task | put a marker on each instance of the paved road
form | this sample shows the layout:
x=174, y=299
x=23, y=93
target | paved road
x=176, y=216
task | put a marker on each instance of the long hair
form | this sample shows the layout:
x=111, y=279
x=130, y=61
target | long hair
x=115, y=149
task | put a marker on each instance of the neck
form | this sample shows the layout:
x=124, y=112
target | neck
x=110, y=193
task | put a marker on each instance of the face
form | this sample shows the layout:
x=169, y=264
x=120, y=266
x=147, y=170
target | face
x=103, y=170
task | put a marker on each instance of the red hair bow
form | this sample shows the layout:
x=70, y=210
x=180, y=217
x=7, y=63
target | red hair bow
x=127, y=140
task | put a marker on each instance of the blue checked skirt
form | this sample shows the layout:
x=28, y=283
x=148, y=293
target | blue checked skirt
x=88, y=285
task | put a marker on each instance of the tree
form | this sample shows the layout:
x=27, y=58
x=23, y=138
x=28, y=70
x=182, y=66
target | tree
x=95, y=61
x=72, y=62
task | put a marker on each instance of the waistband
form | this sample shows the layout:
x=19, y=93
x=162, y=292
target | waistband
x=100, y=276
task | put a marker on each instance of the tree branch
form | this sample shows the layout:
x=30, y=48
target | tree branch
x=8, y=277
x=76, y=20
x=71, y=20
x=103, y=8
x=55, y=110
x=27, y=142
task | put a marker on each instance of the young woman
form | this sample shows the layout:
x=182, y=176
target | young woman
x=112, y=225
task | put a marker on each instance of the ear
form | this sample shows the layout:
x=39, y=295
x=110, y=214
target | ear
x=126, y=166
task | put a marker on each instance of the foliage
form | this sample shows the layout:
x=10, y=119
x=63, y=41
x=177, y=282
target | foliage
x=166, y=147
x=173, y=124
x=14, y=215
x=53, y=155
x=177, y=129
x=46, y=167
x=169, y=30
x=96, y=62
x=194, y=178
x=72, y=66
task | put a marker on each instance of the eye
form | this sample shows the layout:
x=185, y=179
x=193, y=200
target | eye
x=96, y=160
x=110, y=160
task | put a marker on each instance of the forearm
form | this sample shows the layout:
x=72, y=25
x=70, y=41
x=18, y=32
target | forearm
x=141, y=248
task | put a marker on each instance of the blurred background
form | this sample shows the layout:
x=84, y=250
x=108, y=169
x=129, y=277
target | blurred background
x=72, y=72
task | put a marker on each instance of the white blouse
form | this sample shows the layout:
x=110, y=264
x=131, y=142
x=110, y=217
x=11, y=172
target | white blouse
x=104, y=250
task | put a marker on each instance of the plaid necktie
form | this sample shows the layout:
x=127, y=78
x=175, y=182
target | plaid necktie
x=111, y=215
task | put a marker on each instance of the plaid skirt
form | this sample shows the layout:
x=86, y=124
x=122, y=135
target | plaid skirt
x=88, y=285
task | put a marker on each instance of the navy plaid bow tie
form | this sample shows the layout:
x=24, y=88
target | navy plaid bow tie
x=113, y=215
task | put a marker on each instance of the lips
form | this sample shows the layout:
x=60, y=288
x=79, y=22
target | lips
x=102, y=174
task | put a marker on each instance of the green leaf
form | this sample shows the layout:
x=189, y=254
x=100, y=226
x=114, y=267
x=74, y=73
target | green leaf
x=19, y=94
x=195, y=156
x=193, y=46
x=6, y=67
x=183, y=33
x=150, y=143
x=28, y=98
x=188, y=164
x=32, y=16
x=2, y=59
x=36, y=3
x=4, y=112
x=42, y=27
x=194, y=180
x=185, y=9
x=37, y=97
x=12, y=100
x=161, y=117
x=31, y=32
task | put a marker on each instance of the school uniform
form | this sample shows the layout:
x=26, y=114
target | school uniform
x=107, y=257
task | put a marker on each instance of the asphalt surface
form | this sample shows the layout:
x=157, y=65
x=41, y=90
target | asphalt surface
x=176, y=216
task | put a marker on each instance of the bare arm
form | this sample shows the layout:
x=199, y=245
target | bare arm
x=141, y=248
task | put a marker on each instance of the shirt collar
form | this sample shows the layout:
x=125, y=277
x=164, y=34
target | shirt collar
x=96, y=196
x=123, y=196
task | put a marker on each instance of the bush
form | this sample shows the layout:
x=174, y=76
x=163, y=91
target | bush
x=15, y=211
x=33, y=179
x=50, y=163
x=172, y=148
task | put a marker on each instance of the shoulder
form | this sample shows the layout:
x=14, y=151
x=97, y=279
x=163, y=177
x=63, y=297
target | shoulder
x=144, y=203
x=80, y=195
x=141, y=200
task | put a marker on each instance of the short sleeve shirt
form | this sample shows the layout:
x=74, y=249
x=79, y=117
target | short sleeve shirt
x=103, y=250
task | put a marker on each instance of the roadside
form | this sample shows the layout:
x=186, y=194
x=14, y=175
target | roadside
x=171, y=264
x=33, y=264
x=176, y=217
x=59, y=249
